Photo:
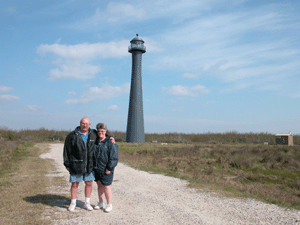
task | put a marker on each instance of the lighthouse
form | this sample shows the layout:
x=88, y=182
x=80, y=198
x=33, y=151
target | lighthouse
x=135, y=121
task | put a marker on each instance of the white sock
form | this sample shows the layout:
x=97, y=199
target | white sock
x=87, y=200
x=73, y=201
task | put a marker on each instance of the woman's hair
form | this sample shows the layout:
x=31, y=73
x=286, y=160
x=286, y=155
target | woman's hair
x=103, y=126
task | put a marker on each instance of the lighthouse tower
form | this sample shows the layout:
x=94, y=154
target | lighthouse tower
x=135, y=122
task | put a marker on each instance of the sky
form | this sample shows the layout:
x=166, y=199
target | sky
x=210, y=65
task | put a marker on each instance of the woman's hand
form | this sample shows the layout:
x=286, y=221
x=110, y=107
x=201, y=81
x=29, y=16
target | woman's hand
x=107, y=172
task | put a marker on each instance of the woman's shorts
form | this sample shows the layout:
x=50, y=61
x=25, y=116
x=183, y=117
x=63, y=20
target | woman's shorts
x=82, y=177
x=105, y=179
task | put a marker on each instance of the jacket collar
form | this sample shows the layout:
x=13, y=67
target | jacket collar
x=105, y=140
x=77, y=129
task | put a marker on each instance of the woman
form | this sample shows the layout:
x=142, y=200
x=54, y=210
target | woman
x=106, y=157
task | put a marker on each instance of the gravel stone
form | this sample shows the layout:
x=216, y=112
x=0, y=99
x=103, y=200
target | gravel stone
x=143, y=198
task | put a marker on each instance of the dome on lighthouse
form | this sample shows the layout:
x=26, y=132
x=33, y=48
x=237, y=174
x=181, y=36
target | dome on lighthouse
x=137, y=38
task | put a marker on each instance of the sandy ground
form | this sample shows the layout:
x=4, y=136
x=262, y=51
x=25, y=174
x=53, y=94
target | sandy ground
x=143, y=198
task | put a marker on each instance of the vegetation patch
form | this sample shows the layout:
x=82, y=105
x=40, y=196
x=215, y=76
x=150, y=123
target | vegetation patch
x=270, y=173
x=230, y=164
x=24, y=186
x=22, y=179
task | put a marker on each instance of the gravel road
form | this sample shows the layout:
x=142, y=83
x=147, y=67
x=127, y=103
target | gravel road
x=143, y=198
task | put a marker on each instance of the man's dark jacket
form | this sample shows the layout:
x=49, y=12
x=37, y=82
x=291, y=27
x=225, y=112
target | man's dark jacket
x=78, y=156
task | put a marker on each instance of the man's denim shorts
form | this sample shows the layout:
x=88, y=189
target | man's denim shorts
x=82, y=177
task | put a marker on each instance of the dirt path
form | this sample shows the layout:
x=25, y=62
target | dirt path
x=143, y=198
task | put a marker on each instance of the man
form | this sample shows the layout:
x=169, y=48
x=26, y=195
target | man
x=78, y=160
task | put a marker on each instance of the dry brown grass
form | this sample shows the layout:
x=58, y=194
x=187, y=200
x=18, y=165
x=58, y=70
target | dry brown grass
x=213, y=138
x=23, y=193
x=43, y=134
x=227, y=163
x=267, y=172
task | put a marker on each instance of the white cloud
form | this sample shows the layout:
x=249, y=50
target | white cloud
x=76, y=61
x=5, y=89
x=295, y=95
x=58, y=40
x=86, y=51
x=101, y=93
x=32, y=107
x=180, y=109
x=208, y=103
x=235, y=47
x=180, y=90
x=71, y=93
x=190, y=75
x=153, y=45
x=118, y=13
x=87, y=85
x=8, y=98
x=76, y=70
x=115, y=13
x=113, y=108
x=217, y=66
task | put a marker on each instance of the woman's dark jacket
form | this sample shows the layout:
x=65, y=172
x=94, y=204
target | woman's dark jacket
x=78, y=156
x=106, y=155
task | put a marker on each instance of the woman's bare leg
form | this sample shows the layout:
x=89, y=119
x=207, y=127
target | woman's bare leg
x=108, y=194
x=100, y=191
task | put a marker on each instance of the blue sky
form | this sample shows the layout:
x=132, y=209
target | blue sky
x=210, y=65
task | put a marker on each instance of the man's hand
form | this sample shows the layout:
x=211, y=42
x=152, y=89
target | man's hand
x=107, y=172
x=113, y=140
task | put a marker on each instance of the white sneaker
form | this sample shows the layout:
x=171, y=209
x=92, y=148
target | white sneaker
x=87, y=206
x=99, y=206
x=108, y=208
x=72, y=207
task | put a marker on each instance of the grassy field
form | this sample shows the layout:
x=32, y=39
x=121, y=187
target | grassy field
x=270, y=173
x=229, y=164
x=24, y=193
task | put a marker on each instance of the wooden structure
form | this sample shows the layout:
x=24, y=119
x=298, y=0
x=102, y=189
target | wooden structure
x=284, y=139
